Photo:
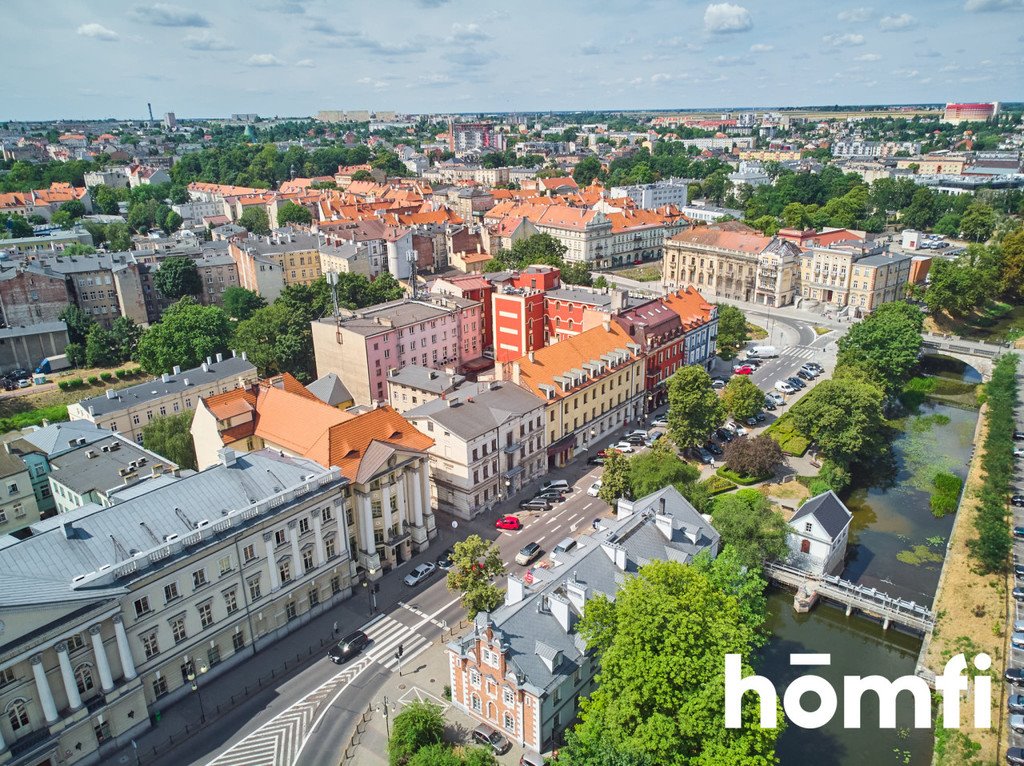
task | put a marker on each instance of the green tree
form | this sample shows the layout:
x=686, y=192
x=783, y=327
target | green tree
x=276, y=340
x=74, y=208
x=844, y=417
x=435, y=755
x=475, y=564
x=978, y=221
x=177, y=277
x=419, y=725
x=958, y=286
x=171, y=438
x=948, y=225
x=185, y=335
x=383, y=289
x=362, y=175
x=125, y=334
x=577, y=274
x=171, y=222
x=657, y=468
x=767, y=225
x=291, y=212
x=586, y=171
x=660, y=695
x=694, y=409
x=78, y=248
x=754, y=456
x=255, y=220
x=742, y=398
x=732, y=330
x=240, y=303
x=79, y=323
x=13, y=226
x=746, y=521
x=63, y=219
x=101, y=348
x=538, y=248
x=1011, y=278
x=601, y=283
x=615, y=481
x=886, y=343
x=119, y=237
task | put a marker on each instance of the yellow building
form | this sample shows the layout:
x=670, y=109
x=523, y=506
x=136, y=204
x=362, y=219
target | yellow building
x=592, y=383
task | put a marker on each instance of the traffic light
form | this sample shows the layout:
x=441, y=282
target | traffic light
x=401, y=650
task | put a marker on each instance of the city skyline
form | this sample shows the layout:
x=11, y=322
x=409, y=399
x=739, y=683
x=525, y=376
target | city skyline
x=295, y=57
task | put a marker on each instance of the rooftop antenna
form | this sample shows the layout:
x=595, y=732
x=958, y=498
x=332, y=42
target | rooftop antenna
x=119, y=549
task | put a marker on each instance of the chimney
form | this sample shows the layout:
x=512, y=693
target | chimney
x=515, y=590
x=233, y=353
x=177, y=369
x=664, y=524
x=559, y=606
x=433, y=374
x=209, y=360
x=69, y=530
x=577, y=593
x=227, y=456
x=220, y=357
x=111, y=394
x=45, y=422
x=516, y=373
x=624, y=509
x=245, y=356
x=164, y=378
x=607, y=325
x=206, y=366
x=616, y=553
x=186, y=381
x=531, y=356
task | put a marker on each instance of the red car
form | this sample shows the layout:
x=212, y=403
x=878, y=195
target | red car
x=508, y=522
x=743, y=369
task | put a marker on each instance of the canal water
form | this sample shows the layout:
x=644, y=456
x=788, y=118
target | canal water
x=896, y=546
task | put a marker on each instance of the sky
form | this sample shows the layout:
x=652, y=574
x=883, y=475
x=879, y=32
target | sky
x=108, y=58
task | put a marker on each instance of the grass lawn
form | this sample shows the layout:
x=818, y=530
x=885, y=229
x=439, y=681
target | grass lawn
x=790, y=440
x=995, y=321
x=756, y=332
x=744, y=481
x=35, y=398
x=645, y=273
x=822, y=330
x=716, y=485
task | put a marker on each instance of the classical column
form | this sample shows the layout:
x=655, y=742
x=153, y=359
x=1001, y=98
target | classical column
x=318, y=531
x=293, y=533
x=275, y=578
x=424, y=485
x=3, y=744
x=124, y=650
x=403, y=503
x=70, y=685
x=366, y=523
x=417, y=497
x=385, y=508
x=342, y=522
x=43, y=689
x=102, y=663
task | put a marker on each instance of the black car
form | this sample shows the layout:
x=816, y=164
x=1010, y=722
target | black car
x=796, y=382
x=804, y=375
x=769, y=405
x=713, y=448
x=1015, y=756
x=444, y=561
x=1018, y=435
x=1018, y=570
x=595, y=460
x=1014, y=676
x=1018, y=593
x=723, y=434
x=1017, y=500
x=348, y=647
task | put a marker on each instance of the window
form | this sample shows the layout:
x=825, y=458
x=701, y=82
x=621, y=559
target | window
x=75, y=642
x=142, y=606
x=199, y=578
x=329, y=548
x=314, y=597
x=303, y=526
x=171, y=592
x=238, y=641
x=285, y=570
x=326, y=515
x=307, y=559
x=805, y=546
x=7, y=676
x=150, y=645
x=474, y=677
x=102, y=731
x=279, y=537
x=178, y=629
x=213, y=655
x=205, y=614
x=249, y=553
x=83, y=678
x=254, y=589
x=17, y=714
x=509, y=697
x=807, y=527
x=159, y=687
x=231, y=601
x=510, y=723
x=474, y=702
x=335, y=585
x=289, y=610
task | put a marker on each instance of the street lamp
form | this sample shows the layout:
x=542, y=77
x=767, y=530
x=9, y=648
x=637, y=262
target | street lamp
x=508, y=488
x=384, y=710
x=193, y=679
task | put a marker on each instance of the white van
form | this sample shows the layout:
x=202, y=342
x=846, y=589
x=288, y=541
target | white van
x=565, y=545
x=762, y=352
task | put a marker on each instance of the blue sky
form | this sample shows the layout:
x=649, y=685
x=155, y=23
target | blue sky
x=294, y=57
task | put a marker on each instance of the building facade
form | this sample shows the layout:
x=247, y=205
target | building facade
x=720, y=262
x=818, y=535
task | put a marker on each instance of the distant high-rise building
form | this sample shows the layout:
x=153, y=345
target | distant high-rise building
x=957, y=113
x=169, y=121
x=466, y=137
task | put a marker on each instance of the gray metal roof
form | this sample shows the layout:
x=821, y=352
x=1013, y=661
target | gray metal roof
x=529, y=630
x=882, y=259
x=58, y=438
x=97, y=467
x=829, y=510
x=385, y=317
x=426, y=379
x=40, y=568
x=330, y=390
x=474, y=409
x=32, y=329
x=577, y=295
x=151, y=390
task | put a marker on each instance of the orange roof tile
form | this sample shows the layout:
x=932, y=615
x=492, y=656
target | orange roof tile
x=348, y=442
x=737, y=241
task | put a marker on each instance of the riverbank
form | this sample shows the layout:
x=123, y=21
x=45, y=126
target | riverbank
x=970, y=616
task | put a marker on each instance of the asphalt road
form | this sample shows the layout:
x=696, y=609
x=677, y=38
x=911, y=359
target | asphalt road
x=1016, y=658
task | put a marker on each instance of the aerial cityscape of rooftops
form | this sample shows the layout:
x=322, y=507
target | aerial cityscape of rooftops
x=483, y=394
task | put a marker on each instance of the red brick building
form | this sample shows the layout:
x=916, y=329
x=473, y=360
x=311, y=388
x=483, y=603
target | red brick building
x=518, y=311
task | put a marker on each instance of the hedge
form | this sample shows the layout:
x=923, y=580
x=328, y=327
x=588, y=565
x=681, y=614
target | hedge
x=744, y=481
x=789, y=439
x=716, y=485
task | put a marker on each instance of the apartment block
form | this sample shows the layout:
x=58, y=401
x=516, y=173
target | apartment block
x=267, y=265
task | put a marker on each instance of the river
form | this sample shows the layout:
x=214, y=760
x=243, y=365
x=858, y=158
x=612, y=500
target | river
x=896, y=545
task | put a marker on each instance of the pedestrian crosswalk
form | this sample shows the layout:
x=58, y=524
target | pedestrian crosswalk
x=800, y=352
x=279, y=741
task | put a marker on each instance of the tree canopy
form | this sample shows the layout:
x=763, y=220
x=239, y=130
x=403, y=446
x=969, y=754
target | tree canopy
x=177, y=277
x=185, y=335
x=535, y=249
x=742, y=398
x=240, y=303
x=255, y=220
x=694, y=409
x=475, y=564
x=746, y=521
x=291, y=212
x=887, y=343
x=276, y=340
x=170, y=437
x=753, y=456
x=732, y=330
x=844, y=417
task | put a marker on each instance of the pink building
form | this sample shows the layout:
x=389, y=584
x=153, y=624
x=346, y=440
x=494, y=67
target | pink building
x=438, y=332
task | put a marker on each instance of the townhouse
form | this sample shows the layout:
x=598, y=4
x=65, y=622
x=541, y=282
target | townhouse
x=267, y=265
x=361, y=346
x=718, y=260
x=18, y=506
x=30, y=294
x=523, y=667
x=489, y=442
x=382, y=456
x=110, y=612
x=128, y=410
x=413, y=385
x=591, y=384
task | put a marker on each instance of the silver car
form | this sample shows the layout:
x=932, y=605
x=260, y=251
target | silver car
x=419, y=574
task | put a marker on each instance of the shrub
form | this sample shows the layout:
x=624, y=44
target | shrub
x=419, y=725
x=743, y=481
x=753, y=456
x=946, y=495
x=63, y=385
x=106, y=376
x=94, y=380
x=818, y=486
x=716, y=485
x=75, y=383
x=789, y=438
x=34, y=417
x=837, y=477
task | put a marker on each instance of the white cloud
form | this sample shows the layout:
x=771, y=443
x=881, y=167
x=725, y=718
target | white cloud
x=661, y=77
x=264, y=59
x=728, y=60
x=163, y=15
x=868, y=57
x=467, y=33
x=980, y=6
x=839, y=41
x=376, y=84
x=305, y=63
x=855, y=14
x=908, y=73
x=897, y=23
x=590, y=49
x=761, y=48
x=206, y=41
x=723, y=18
x=97, y=32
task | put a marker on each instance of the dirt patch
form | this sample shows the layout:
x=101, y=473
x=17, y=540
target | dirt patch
x=789, y=490
x=972, y=610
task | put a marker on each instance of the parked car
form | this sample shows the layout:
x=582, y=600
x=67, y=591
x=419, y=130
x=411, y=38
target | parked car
x=528, y=553
x=753, y=361
x=444, y=561
x=1017, y=500
x=560, y=484
x=622, y=447
x=1018, y=532
x=804, y=374
x=776, y=397
x=636, y=440
x=1017, y=639
x=713, y=448
x=594, y=488
x=508, y=522
x=1015, y=756
x=701, y=454
x=1014, y=676
x=24, y=383
x=348, y=647
x=736, y=428
x=1018, y=571
x=769, y=404
x=743, y=369
x=717, y=383
x=1017, y=452
x=1015, y=703
x=796, y=383
x=752, y=422
x=419, y=574
x=724, y=435
x=638, y=433
x=1018, y=435
x=1017, y=722
x=491, y=737
x=1018, y=625
x=1018, y=593
x=810, y=371
x=760, y=417
x=660, y=423
x=596, y=460
x=534, y=505
x=551, y=497
x=532, y=759
x=784, y=387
